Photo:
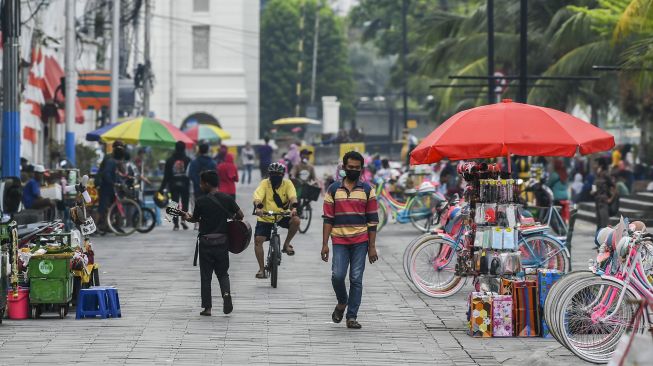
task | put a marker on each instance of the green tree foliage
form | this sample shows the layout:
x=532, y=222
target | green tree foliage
x=280, y=36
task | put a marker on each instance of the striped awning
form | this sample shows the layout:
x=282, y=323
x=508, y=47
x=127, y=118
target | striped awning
x=94, y=89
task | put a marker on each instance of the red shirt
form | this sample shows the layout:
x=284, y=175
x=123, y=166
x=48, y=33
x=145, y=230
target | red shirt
x=227, y=175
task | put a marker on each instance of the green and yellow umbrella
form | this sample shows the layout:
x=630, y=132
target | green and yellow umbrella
x=206, y=132
x=146, y=132
x=296, y=121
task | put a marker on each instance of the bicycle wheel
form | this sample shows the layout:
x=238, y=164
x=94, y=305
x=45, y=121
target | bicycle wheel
x=383, y=216
x=595, y=313
x=409, y=250
x=148, y=220
x=433, y=267
x=544, y=251
x=127, y=220
x=421, y=210
x=275, y=251
x=553, y=297
x=305, y=216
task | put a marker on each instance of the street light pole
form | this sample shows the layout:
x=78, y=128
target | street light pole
x=490, y=51
x=71, y=83
x=148, y=64
x=523, y=52
x=115, y=58
x=11, y=99
x=404, y=54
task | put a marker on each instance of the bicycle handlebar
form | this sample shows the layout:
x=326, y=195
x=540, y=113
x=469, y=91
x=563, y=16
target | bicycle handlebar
x=275, y=214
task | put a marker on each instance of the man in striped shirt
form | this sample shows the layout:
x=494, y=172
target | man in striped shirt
x=350, y=219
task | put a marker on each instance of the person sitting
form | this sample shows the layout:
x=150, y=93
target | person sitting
x=32, y=193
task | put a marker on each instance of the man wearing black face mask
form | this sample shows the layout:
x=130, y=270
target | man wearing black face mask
x=274, y=194
x=107, y=176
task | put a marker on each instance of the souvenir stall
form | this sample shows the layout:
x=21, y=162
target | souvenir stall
x=509, y=294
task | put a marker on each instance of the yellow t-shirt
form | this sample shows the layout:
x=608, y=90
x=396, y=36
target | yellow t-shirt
x=616, y=157
x=265, y=194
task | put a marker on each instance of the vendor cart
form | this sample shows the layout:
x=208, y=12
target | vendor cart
x=51, y=283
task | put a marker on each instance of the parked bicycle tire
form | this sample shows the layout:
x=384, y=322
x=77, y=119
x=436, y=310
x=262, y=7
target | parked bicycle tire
x=586, y=336
x=275, y=258
x=148, y=220
x=306, y=214
x=124, y=224
x=546, y=251
x=421, y=211
x=439, y=283
x=383, y=216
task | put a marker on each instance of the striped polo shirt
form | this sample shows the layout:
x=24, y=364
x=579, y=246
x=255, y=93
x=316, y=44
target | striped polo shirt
x=352, y=214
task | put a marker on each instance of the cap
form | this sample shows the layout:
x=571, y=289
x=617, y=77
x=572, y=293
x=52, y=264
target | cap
x=38, y=168
x=118, y=143
x=306, y=152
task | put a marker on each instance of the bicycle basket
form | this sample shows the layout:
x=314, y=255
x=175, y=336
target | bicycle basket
x=311, y=193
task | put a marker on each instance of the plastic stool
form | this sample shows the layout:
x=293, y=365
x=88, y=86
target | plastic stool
x=113, y=303
x=92, y=302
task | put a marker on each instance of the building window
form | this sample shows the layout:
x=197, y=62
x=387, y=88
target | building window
x=201, y=34
x=200, y=6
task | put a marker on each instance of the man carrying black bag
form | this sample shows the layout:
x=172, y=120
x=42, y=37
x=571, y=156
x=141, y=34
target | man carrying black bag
x=212, y=212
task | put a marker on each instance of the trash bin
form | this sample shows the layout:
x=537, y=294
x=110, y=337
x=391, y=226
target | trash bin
x=51, y=283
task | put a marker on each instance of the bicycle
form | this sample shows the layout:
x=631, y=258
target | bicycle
x=419, y=209
x=124, y=216
x=431, y=261
x=590, y=312
x=307, y=193
x=273, y=260
x=148, y=216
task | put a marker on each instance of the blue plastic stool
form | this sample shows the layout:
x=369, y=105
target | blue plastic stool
x=92, y=302
x=114, y=301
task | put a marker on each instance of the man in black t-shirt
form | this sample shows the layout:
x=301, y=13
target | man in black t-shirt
x=214, y=253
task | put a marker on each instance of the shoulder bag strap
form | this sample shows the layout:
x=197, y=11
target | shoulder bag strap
x=215, y=200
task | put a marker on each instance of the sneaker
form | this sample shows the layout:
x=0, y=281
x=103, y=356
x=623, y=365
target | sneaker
x=353, y=324
x=228, y=306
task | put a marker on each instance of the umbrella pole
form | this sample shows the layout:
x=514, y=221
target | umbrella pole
x=509, y=165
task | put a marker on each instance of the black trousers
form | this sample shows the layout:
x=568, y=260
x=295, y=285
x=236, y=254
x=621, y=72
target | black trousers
x=213, y=259
x=181, y=196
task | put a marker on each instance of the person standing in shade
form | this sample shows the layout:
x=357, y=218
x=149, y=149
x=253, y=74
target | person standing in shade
x=32, y=193
x=200, y=164
x=248, y=156
x=605, y=192
x=265, y=157
x=177, y=181
x=212, y=211
x=350, y=219
x=228, y=176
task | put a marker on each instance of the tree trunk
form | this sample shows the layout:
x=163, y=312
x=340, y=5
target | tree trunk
x=645, y=136
x=594, y=114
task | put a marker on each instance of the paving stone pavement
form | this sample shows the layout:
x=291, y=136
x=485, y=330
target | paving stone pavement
x=161, y=325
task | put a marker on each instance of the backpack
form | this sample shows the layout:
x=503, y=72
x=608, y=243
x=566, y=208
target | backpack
x=179, y=168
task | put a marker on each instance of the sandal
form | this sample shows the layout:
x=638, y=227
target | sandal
x=337, y=315
x=353, y=324
x=261, y=275
x=290, y=251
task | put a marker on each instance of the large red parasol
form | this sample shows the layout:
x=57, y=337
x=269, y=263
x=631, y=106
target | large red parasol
x=510, y=128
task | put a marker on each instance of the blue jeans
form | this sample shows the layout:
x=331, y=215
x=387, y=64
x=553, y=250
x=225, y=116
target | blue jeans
x=247, y=173
x=345, y=256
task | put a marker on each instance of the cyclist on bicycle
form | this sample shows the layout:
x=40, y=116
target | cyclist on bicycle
x=304, y=171
x=274, y=194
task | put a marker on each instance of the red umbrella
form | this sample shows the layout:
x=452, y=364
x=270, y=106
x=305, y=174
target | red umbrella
x=510, y=128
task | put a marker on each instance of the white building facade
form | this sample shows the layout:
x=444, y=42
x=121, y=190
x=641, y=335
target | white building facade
x=205, y=61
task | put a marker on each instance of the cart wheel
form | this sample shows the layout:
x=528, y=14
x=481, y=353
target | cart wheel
x=35, y=312
x=62, y=311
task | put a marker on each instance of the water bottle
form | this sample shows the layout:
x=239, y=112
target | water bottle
x=72, y=177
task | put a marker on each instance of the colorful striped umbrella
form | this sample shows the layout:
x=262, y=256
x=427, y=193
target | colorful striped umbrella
x=97, y=134
x=296, y=121
x=147, y=132
x=206, y=132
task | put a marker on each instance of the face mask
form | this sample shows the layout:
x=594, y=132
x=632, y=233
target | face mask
x=353, y=174
x=276, y=180
x=342, y=173
x=305, y=161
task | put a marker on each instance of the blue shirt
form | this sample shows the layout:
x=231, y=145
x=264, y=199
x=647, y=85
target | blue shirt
x=31, y=192
x=265, y=154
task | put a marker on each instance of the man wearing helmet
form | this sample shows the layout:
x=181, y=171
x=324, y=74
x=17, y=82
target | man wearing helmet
x=274, y=194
